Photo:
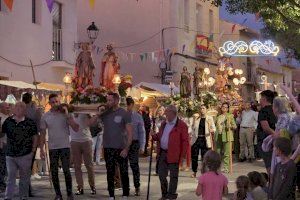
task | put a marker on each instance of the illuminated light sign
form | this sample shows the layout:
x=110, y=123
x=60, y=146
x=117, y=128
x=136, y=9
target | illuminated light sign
x=255, y=48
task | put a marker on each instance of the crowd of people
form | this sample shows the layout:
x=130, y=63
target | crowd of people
x=268, y=130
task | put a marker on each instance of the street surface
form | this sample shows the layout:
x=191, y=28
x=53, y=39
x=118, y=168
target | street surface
x=186, y=185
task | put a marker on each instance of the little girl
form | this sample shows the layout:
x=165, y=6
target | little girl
x=212, y=184
x=242, y=185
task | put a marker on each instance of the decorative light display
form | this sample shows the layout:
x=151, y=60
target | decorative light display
x=255, y=48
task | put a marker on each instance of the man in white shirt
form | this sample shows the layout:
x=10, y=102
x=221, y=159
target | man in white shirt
x=248, y=126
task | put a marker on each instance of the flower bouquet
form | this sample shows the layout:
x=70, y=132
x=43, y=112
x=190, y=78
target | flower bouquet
x=88, y=99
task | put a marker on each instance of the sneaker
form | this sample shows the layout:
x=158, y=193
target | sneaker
x=36, y=176
x=194, y=175
x=124, y=197
x=111, y=198
x=93, y=190
x=137, y=192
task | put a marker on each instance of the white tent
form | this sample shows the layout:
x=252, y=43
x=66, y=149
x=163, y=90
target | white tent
x=145, y=89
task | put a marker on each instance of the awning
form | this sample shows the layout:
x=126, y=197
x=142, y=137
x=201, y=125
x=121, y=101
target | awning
x=52, y=86
x=155, y=89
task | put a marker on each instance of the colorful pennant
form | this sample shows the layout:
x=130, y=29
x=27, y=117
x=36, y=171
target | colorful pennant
x=50, y=5
x=233, y=28
x=9, y=4
x=92, y=4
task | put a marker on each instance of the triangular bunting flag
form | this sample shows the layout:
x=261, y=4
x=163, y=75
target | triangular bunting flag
x=233, y=27
x=152, y=56
x=9, y=4
x=183, y=48
x=50, y=5
x=174, y=50
x=221, y=34
x=92, y=4
x=142, y=57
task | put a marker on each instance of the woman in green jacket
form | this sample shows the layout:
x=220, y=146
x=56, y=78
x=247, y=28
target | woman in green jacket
x=224, y=137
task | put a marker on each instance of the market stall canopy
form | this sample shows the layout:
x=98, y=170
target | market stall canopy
x=52, y=86
x=155, y=89
x=16, y=88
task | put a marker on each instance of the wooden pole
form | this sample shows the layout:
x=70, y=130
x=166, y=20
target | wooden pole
x=34, y=81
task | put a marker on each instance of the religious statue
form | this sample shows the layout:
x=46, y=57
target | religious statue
x=109, y=67
x=197, y=80
x=84, y=68
x=185, y=83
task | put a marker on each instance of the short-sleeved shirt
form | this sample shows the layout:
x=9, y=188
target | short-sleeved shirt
x=58, y=129
x=265, y=114
x=212, y=185
x=84, y=133
x=115, y=121
x=19, y=136
x=284, y=181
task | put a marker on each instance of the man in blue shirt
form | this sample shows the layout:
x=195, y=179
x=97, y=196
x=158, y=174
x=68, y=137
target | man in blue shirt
x=138, y=143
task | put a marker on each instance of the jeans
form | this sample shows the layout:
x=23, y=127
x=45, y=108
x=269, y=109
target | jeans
x=23, y=165
x=112, y=156
x=63, y=155
x=200, y=144
x=83, y=151
x=168, y=190
x=97, y=147
x=3, y=170
x=133, y=156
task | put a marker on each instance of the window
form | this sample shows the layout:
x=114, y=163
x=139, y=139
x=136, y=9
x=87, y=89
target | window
x=211, y=22
x=198, y=17
x=33, y=11
x=0, y=5
x=186, y=13
x=57, y=30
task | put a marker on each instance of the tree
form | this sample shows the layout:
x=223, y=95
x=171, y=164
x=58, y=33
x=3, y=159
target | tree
x=281, y=18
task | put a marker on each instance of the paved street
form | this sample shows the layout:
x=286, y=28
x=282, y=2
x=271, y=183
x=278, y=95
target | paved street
x=186, y=186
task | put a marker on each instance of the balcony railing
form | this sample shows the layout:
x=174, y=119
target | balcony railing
x=57, y=44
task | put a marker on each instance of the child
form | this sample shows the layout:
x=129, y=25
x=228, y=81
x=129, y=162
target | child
x=257, y=183
x=283, y=184
x=242, y=185
x=212, y=184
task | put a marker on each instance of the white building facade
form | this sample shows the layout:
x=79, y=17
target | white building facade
x=136, y=27
x=31, y=32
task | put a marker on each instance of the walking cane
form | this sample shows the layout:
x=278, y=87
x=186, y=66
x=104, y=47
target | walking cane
x=150, y=167
x=47, y=164
x=230, y=154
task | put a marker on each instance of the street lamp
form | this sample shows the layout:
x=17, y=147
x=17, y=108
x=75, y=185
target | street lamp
x=67, y=81
x=171, y=86
x=92, y=32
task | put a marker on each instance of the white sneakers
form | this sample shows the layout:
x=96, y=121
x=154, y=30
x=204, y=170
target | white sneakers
x=36, y=177
x=111, y=198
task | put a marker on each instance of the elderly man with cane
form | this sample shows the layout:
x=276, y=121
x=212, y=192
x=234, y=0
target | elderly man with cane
x=172, y=141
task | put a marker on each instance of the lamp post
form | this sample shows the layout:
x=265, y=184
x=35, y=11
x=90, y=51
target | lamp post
x=92, y=32
x=67, y=81
x=171, y=86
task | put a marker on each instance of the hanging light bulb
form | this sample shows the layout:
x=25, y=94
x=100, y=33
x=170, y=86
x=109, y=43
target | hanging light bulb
x=206, y=71
x=237, y=71
x=243, y=80
x=236, y=81
x=241, y=71
x=211, y=80
x=230, y=73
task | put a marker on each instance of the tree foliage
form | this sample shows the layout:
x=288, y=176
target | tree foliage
x=281, y=18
